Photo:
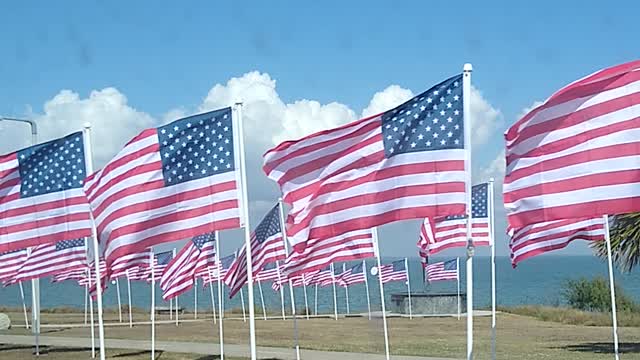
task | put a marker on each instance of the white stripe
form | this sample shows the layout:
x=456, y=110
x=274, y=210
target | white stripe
x=42, y=231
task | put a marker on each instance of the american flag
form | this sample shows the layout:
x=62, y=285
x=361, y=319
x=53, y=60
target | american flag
x=406, y=163
x=356, y=275
x=267, y=246
x=304, y=279
x=41, y=197
x=451, y=231
x=396, y=271
x=167, y=184
x=160, y=262
x=576, y=154
x=180, y=273
x=318, y=254
x=10, y=262
x=74, y=274
x=132, y=263
x=50, y=259
x=444, y=270
x=324, y=276
x=537, y=239
x=92, y=274
x=221, y=269
x=270, y=272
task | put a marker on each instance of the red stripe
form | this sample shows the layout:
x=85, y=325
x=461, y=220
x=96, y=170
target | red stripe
x=44, y=206
x=9, y=198
x=4, y=183
x=461, y=226
x=337, y=248
x=44, y=239
x=138, y=170
x=66, y=218
x=541, y=250
x=517, y=245
x=380, y=197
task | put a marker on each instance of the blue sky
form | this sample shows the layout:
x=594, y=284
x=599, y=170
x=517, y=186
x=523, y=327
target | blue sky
x=165, y=56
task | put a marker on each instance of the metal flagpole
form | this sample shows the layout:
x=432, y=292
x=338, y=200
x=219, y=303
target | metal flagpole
x=244, y=312
x=96, y=249
x=406, y=269
x=175, y=307
x=119, y=301
x=335, y=297
x=247, y=231
x=612, y=287
x=366, y=286
x=315, y=303
x=458, y=276
x=493, y=268
x=195, y=298
x=306, y=302
x=129, y=293
x=264, y=310
x=295, y=320
x=466, y=110
x=24, y=307
x=213, y=299
x=220, y=294
x=374, y=233
x=153, y=307
x=93, y=336
x=280, y=282
x=86, y=303
x=346, y=289
x=170, y=309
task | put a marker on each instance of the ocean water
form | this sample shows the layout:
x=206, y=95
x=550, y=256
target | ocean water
x=536, y=281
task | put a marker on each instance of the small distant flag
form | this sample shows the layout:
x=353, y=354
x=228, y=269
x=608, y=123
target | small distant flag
x=41, y=197
x=179, y=274
x=444, y=270
x=160, y=262
x=356, y=275
x=130, y=263
x=50, y=259
x=270, y=272
x=396, y=271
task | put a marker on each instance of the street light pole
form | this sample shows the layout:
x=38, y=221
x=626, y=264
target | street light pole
x=32, y=123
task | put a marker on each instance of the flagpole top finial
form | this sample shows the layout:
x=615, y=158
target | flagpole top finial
x=467, y=67
x=87, y=125
x=491, y=179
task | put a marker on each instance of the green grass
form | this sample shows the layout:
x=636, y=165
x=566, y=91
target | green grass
x=570, y=316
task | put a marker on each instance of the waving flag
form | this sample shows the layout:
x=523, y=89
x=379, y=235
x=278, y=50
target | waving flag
x=131, y=263
x=41, y=197
x=160, y=262
x=402, y=164
x=451, y=231
x=50, y=259
x=169, y=183
x=266, y=247
x=318, y=254
x=270, y=272
x=10, y=263
x=179, y=274
x=576, y=155
x=537, y=239
x=74, y=274
x=220, y=270
x=324, y=276
x=396, y=271
x=444, y=270
x=356, y=275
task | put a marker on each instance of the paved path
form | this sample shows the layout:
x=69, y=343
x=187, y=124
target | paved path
x=203, y=348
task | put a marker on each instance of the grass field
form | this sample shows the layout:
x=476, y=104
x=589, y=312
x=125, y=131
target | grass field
x=519, y=337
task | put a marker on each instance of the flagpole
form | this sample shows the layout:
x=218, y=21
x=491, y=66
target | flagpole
x=466, y=96
x=153, y=306
x=315, y=303
x=306, y=302
x=220, y=295
x=176, y=298
x=24, y=307
x=612, y=287
x=280, y=282
x=195, y=297
x=247, y=232
x=96, y=249
x=295, y=320
x=86, y=303
x=264, y=310
x=93, y=336
x=366, y=285
x=493, y=268
x=129, y=293
x=374, y=233
x=244, y=311
x=335, y=297
x=458, y=276
x=346, y=289
x=170, y=309
x=119, y=301
x=213, y=299
x=406, y=269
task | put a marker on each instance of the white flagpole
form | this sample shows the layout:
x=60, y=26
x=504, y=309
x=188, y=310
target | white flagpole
x=175, y=307
x=119, y=301
x=35, y=283
x=346, y=289
x=129, y=293
x=247, y=231
x=493, y=268
x=458, y=275
x=264, y=310
x=466, y=96
x=335, y=297
x=195, y=298
x=315, y=303
x=612, y=287
x=374, y=233
x=280, y=282
x=93, y=336
x=406, y=269
x=96, y=249
x=153, y=307
x=213, y=299
x=24, y=307
x=306, y=302
x=244, y=311
x=220, y=295
x=170, y=309
x=366, y=286
x=295, y=320
x=86, y=303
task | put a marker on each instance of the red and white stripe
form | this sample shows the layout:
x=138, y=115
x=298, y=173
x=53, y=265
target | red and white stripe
x=447, y=234
x=179, y=275
x=323, y=278
x=134, y=210
x=318, y=254
x=388, y=275
x=272, y=274
x=348, y=278
x=339, y=180
x=578, y=154
x=134, y=262
x=45, y=260
x=537, y=239
x=10, y=263
x=75, y=274
x=437, y=272
x=31, y=221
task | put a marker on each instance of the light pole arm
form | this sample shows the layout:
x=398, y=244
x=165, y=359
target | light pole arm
x=32, y=123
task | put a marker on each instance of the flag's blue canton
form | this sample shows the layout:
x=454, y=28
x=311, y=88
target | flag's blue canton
x=227, y=261
x=57, y=165
x=200, y=240
x=357, y=269
x=197, y=146
x=164, y=258
x=398, y=265
x=269, y=226
x=451, y=265
x=430, y=121
x=479, y=199
x=67, y=244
